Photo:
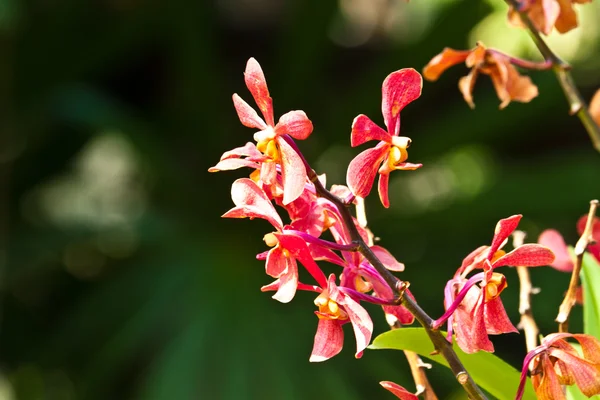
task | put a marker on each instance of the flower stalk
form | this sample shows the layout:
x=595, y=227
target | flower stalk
x=561, y=69
x=570, y=298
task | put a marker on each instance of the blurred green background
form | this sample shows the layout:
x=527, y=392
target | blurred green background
x=119, y=280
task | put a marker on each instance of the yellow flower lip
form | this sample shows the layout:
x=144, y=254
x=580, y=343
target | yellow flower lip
x=495, y=286
x=329, y=309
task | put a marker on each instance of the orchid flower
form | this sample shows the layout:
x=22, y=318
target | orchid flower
x=399, y=89
x=474, y=312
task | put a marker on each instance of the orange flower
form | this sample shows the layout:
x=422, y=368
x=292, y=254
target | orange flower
x=509, y=84
x=546, y=14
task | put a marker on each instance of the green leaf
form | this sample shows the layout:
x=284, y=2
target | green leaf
x=590, y=274
x=490, y=372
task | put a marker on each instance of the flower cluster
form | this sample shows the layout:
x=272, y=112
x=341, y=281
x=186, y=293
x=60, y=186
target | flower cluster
x=281, y=177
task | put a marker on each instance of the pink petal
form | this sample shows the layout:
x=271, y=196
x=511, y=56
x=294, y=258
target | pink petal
x=469, y=323
x=288, y=283
x=593, y=249
x=383, y=189
x=297, y=248
x=248, y=116
x=268, y=172
x=504, y=228
x=496, y=320
x=361, y=323
x=252, y=202
x=247, y=150
x=399, y=89
x=527, y=255
x=233, y=163
x=293, y=172
x=363, y=130
x=475, y=257
x=296, y=124
x=398, y=391
x=387, y=259
x=319, y=253
x=277, y=263
x=329, y=340
x=406, y=166
x=363, y=168
x=257, y=84
x=555, y=242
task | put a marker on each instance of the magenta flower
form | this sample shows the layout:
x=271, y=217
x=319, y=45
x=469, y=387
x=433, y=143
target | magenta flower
x=252, y=202
x=399, y=89
x=474, y=312
x=556, y=363
x=269, y=138
x=337, y=308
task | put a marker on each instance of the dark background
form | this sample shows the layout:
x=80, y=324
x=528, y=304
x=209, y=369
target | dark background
x=118, y=278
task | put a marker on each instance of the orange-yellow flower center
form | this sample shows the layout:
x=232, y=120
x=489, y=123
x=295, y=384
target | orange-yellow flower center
x=329, y=309
x=497, y=255
x=495, y=286
x=270, y=239
x=398, y=153
x=269, y=148
x=362, y=285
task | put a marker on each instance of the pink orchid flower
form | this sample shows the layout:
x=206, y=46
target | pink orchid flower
x=593, y=249
x=270, y=137
x=399, y=89
x=474, y=312
x=252, y=202
x=556, y=363
x=337, y=308
x=554, y=241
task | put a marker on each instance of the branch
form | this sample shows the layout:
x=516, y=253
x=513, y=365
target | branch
x=527, y=322
x=561, y=69
x=441, y=345
x=569, y=301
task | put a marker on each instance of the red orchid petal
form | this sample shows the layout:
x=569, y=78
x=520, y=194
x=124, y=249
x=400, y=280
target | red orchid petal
x=252, y=202
x=406, y=166
x=399, y=89
x=473, y=260
x=383, y=187
x=361, y=323
x=293, y=172
x=469, y=323
x=363, y=130
x=301, y=286
x=555, y=242
x=527, y=255
x=257, y=84
x=248, y=116
x=247, y=150
x=398, y=391
x=387, y=259
x=546, y=384
x=294, y=123
x=504, y=228
x=262, y=256
x=329, y=340
x=297, y=248
x=363, y=168
x=320, y=253
x=593, y=249
x=590, y=347
x=586, y=374
x=496, y=320
x=277, y=263
x=288, y=283
x=233, y=163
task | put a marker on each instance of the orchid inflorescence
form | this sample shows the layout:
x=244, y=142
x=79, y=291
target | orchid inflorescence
x=282, y=180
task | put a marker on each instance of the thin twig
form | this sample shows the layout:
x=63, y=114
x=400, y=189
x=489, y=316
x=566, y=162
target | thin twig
x=527, y=323
x=440, y=344
x=417, y=367
x=569, y=301
x=576, y=102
